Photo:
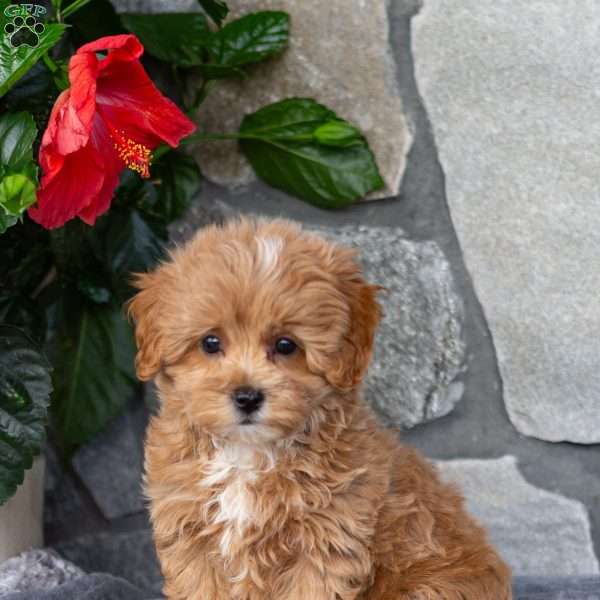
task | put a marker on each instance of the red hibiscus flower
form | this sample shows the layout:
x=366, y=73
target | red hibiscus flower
x=110, y=118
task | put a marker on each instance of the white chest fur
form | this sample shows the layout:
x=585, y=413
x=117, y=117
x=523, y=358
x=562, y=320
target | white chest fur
x=232, y=470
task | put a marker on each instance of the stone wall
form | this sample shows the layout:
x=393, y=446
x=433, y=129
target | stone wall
x=488, y=355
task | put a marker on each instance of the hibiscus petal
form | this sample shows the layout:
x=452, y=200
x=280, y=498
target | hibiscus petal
x=70, y=121
x=101, y=202
x=66, y=192
x=129, y=100
x=127, y=43
x=102, y=145
x=47, y=145
x=83, y=71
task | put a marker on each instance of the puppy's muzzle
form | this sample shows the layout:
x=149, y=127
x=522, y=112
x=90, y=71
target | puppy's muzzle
x=247, y=400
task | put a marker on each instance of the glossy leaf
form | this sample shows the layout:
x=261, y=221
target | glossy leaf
x=215, y=9
x=15, y=62
x=250, y=39
x=337, y=133
x=26, y=257
x=94, y=20
x=177, y=38
x=94, y=376
x=281, y=143
x=130, y=246
x=35, y=92
x=178, y=180
x=212, y=71
x=7, y=221
x=24, y=313
x=17, y=192
x=18, y=173
x=25, y=389
x=17, y=134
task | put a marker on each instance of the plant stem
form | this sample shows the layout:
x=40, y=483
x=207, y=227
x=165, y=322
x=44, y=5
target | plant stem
x=209, y=137
x=197, y=137
x=202, y=93
x=46, y=281
x=74, y=7
x=52, y=66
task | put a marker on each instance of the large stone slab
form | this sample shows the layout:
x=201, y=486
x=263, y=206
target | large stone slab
x=129, y=555
x=537, y=532
x=339, y=55
x=36, y=569
x=511, y=91
x=419, y=350
x=110, y=466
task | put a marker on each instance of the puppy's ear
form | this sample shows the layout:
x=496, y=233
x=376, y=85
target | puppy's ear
x=352, y=362
x=143, y=309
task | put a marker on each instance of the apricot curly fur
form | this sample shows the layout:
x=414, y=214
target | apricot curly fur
x=313, y=500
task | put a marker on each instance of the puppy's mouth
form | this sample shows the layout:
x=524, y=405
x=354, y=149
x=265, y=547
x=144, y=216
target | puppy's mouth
x=247, y=421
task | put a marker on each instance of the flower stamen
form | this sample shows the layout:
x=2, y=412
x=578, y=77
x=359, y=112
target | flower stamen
x=136, y=156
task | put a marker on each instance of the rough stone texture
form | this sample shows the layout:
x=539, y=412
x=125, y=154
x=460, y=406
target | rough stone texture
x=98, y=586
x=196, y=217
x=537, y=532
x=36, y=569
x=66, y=504
x=128, y=555
x=155, y=6
x=419, y=349
x=111, y=465
x=339, y=55
x=511, y=90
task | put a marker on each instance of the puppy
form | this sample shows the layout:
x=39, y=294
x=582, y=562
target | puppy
x=267, y=474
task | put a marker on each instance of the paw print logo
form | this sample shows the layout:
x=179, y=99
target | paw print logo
x=24, y=31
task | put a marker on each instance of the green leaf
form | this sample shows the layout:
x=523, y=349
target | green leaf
x=94, y=20
x=338, y=133
x=178, y=180
x=282, y=144
x=92, y=286
x=177, y=38
x=26, y=257
x=7, y=221
x=35, y=92
x=215, y=9
x=212, y=71
x=130, y=246
x=17, y=134
x=17, y=192
x=25, y=389
x=15, y=62
x=250, y=39
x=26, y=314
x=94, y=372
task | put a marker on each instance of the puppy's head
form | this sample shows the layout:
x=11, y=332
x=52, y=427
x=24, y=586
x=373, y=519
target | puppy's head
x=252, y=326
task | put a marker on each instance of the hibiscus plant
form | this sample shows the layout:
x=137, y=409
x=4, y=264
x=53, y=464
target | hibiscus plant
x=95, y=109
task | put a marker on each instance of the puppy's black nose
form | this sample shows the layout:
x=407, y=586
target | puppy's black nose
x=248, y=399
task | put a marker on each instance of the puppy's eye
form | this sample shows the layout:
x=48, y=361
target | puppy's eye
x=211, y=344
x=285, y=346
